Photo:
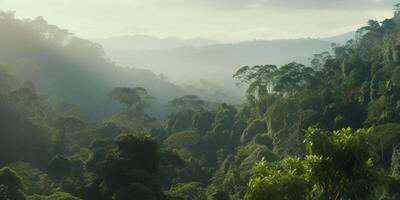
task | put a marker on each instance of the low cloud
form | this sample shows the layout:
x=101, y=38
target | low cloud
x=295, y=4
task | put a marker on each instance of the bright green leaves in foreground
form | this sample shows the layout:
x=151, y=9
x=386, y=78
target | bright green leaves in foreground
x=278, y=181
x=337, y=166
x=339, y=163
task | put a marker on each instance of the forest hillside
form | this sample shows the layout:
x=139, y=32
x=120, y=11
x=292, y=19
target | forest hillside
x=328, y=130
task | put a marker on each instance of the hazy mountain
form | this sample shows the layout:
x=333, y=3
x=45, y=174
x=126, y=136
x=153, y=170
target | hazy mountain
x=190, y=60
x=71, y=68
x=340, y=39
x=218, y=62
x=147, y=42
x=187, y=61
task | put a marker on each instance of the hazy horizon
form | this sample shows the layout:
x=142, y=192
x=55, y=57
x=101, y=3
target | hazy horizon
x=222, y=21
x=199, y=99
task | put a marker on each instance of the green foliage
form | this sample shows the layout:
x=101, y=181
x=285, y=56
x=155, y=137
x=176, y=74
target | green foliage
x=125, y=166
x=385, y=108
x=59, y=167
x=265, y=140
x=198, y=153
x=135, y=190
x=8, y=82
x=224, y=122
x=36, y=181
x=170, y=158
x=187, y=191
x=255, y=127
x=20, y=137
x=55, y=196
x=384, y=138
x=71, y=68
x=187, y=102
x=234, y=172
x=109, y=130
x=395, y=162
x=286, y=80
x=9, y=178
x=287, y=141
x=186, y=142
x=141, y=149
x=132, y=97
x=339, y=163
x=283, y=180
x=11, y=185
x=136, y=101
x=202, y=121
x=178, y=122
x=219, y=195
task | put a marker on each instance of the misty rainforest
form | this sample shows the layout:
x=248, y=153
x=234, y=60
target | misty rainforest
x=200, y=100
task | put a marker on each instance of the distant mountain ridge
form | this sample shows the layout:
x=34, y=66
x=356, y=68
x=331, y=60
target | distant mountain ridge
x=210, y=61
x=147, y=42
x=72, y=69
x=340, y=39
x=187, y=62
x=141, y=42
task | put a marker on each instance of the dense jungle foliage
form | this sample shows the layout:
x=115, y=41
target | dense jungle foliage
x=328, y=131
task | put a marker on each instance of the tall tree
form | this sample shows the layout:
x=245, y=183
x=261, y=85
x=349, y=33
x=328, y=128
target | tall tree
x=132, y=97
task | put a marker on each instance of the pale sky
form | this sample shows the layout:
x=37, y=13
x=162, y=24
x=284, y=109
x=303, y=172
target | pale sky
x=222, y=20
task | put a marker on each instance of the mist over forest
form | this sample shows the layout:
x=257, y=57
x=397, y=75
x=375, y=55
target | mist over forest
x=145, y=116
x=205, y=67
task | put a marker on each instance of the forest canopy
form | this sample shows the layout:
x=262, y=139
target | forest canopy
x=329, y=130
